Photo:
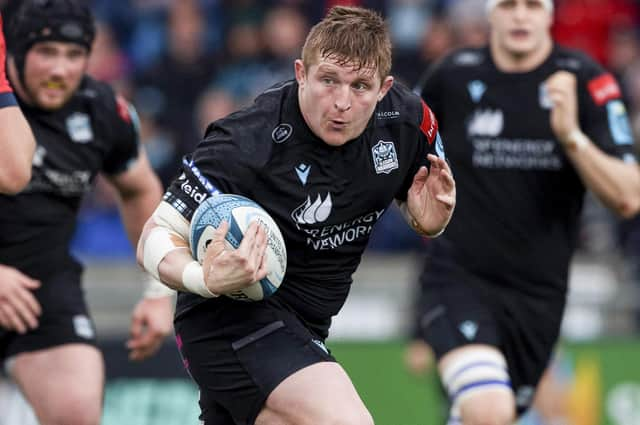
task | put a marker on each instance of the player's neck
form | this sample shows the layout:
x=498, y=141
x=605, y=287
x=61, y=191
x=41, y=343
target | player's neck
x=507, y=61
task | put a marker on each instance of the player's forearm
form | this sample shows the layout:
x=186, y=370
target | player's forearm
x=614, y=182
x=17, y=145
x=163, y=251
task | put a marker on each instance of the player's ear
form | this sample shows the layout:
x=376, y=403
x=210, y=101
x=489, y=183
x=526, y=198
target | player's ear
x=301, y=74
x=384, y=88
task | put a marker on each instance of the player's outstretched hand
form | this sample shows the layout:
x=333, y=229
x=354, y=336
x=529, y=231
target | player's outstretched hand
x=432, y=196
x=151, y=322
x=19, y=309
x=227, y=270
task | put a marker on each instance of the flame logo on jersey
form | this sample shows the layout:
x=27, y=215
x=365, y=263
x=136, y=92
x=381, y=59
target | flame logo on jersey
x=313, y=212
x=486, y=122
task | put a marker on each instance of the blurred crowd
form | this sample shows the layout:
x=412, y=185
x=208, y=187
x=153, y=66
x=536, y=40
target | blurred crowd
x=185, y=63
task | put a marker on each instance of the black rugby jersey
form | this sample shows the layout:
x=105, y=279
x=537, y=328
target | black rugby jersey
x=325, y=199
x=95, y=131
x=518, y=196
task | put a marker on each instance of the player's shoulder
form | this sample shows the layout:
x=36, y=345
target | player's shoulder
x=254, y=129
x=401, y=107
x=105, y=104
x=465, y=58
x=261, y=115
x=96, y=92
x=575, y=61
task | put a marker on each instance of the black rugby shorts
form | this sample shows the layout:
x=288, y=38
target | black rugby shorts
x=238, y=352
x=459, y=308
x=65, y=318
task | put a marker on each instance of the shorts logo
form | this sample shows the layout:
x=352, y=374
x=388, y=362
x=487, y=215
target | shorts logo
x=281, y=133
x=313, y=212
x=524, y=396
x=83, y=326
x=320, y=344
x=385, y=159
x=79, y=127
x=469, y=329
x=603, y=89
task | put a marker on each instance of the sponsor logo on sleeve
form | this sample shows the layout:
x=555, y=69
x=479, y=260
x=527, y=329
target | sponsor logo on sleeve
x=123, y=109
x=619, y=123
x=204, y=181
x=603, y=89
x=439, y=147
x=429, y=125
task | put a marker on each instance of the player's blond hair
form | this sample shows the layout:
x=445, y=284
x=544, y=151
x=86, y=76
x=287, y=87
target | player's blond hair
x=350, y=35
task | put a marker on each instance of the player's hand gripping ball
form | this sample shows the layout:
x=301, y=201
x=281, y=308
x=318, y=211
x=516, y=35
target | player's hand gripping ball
x=239, y=212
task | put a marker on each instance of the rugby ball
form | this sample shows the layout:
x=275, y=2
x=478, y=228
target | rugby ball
x=239, y=212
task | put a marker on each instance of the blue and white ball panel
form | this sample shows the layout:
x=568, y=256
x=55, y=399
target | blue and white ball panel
x=240, y=212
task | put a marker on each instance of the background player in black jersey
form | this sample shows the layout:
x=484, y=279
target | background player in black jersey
x=47, y=339
x=342, y=134
x=530, y=126
x=16, y=139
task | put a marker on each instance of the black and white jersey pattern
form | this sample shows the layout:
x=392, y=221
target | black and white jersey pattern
x=95, y=131
x=325, y=199
x=518, y=196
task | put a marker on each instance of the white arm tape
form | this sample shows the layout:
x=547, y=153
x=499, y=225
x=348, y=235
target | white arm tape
x=193, y=280
x=153, y=288
x=158, y=244
x=167, y=216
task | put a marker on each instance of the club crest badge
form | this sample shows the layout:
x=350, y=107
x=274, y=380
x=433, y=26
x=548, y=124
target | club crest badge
x=79, y=127
x=385, y=159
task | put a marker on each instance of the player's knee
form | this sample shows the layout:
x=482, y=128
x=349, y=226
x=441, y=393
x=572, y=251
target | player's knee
x=492, y=408
x=479, y=387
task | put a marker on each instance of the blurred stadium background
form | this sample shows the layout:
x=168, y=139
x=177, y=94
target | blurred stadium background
x=184, y=63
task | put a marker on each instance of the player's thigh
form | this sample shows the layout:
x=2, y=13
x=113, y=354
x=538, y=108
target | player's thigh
x=318, y=394
x=477, y=381
x=61, y=382
x=239, y=362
